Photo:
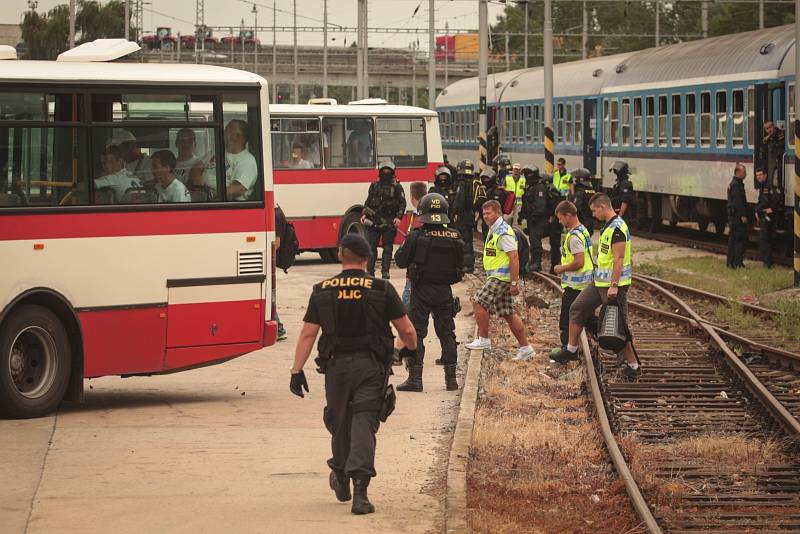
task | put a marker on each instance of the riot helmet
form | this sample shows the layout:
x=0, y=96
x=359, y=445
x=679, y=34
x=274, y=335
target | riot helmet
x=488, y=176
x=620, y=168
x=433, y=209
x=465, y=168
x=386, y=171
x=502, y=163
x=443, y=176
x=581, y=175
x=531, y=172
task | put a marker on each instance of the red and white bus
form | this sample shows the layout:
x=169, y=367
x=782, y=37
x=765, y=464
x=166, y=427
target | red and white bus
x=325, y=155
x=125, y=249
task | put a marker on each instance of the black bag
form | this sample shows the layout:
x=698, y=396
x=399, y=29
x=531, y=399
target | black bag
x=612, y=334
x=290, y=246
x=523, y=250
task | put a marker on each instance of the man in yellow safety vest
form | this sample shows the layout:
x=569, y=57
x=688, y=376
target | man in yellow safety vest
x=515, y=183
x=562, y=179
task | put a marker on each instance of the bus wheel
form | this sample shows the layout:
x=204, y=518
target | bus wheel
x=34, y=362
x=329, y=255
x=351, y=224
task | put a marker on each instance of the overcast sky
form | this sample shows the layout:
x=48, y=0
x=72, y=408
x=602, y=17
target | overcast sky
x=180, y=16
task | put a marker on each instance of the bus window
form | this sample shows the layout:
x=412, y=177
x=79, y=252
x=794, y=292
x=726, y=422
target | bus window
x=722, y=117
x=691, y=114
x=402, y=141
x=22, y=107
x=737, y=117
x=351, y=142
x=637, y=121
x=705, y=119
x=240, y=118
x=662, y=121
x=676, y=120
x=626, y=122
x=296, y=143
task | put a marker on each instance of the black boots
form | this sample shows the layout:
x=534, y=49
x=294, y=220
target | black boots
x=414, y=381
x=361, y=504
x=341, y=485
x=450, y=382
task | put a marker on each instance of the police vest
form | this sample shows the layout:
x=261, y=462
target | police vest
x=518, y=187
x=387, y=200
x=561, y=182
x=495, y=260
x=577, y=279
x=605, y=255
x=437, y=255
x=373, y=300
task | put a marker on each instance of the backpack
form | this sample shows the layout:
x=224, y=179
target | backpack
x=553, y=198
x=523, y=250
x=290, y=246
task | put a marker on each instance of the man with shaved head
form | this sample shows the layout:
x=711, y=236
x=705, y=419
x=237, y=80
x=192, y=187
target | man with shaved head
x=737, y=218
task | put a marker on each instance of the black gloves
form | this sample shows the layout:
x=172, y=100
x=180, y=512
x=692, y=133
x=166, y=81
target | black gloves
x=297, y=383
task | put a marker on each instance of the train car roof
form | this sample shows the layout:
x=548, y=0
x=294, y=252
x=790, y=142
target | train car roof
x=133, y=73
x=342, y=109
x=750, y=55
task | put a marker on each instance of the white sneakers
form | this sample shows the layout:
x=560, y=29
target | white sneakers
x=480, y=343
x=524, y=354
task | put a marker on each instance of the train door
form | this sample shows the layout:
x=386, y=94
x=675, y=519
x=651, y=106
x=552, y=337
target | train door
x=589, y=135
x=769, y=107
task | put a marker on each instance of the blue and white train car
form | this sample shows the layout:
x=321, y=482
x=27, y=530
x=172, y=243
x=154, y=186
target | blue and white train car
x=681, y=115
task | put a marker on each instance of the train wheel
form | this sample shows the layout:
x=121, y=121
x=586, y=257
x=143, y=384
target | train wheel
x=702, y=225
x=34, y=362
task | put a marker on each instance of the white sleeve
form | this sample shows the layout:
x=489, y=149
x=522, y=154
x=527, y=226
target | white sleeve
x=507, y=243
x=246, y=173
x=576, y=245
x=103, y=181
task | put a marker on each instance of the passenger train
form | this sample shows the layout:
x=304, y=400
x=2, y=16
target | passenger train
x=681, y=115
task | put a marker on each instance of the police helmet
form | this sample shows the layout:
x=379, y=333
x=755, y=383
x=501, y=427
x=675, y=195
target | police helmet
x=502, y=162
x=581, y=175
x=465, y=166
x=530, y=171
x=386, y=170
x=488, y=175
x=620, y=168
x=433, y=209
x=444, y=171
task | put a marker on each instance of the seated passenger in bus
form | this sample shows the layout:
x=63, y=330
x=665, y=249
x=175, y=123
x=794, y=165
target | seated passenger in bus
x=136, y=161
x=297, y=161
x=185, y=145
x=168, y=188
x=241, y=168
x=116, y=176
x=311, y=143
x=359, y=144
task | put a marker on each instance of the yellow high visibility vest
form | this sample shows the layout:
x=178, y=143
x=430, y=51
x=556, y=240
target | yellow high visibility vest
x=605, y=256
x=518, y=187
x=496, y=262
x=561, y=182
x=577, y=279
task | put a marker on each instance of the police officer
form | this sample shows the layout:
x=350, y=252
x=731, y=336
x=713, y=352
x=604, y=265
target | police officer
x=768, y=211
x=502, y=166
x=464, y=211
x=443, y=184
x=383, y=210
x=622, y=193
x=434, y=256
x=354, y=310
x=562, y=179
x=583, y=191
x=737, y=218
x=534, y=210
x=515, y=183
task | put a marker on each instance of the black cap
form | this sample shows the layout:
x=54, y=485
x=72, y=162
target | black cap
x=356, y=244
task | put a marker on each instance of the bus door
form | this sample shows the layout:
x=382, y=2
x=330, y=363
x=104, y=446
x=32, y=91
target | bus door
x=769, y=107
x=589, y=135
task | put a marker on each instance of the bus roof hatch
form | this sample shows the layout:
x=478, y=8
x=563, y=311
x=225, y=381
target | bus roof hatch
x=99, y=50
x=7, y=52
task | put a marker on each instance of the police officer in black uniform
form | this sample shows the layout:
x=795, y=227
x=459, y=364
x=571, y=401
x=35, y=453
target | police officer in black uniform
x=534, y=210
x=502, y=166
x=464, y=210
x=622, y=198
x=737, y=218
x=584, y=190
x=383, y=210
x=445, y=185
x=354, y=310
x=768, y=212
x=433, y=255
x=553, y=228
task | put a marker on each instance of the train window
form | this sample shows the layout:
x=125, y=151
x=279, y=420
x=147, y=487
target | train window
x=637, y=121
x=536, y=134
x=559, y=123
x=507, y=126
x=649, y=121
x=615, y=122
x=790, y=107
x=662, y=121
x=528, y=125
x=515, y=130
x=578, y=122
x=676, y=120
x=568, y=128
x=722, y=117
x=462, y=124
x=691, y=112
x=737, y=119
x=751, y=116
x=626, y=122
x=606, y=124
x=705, y=119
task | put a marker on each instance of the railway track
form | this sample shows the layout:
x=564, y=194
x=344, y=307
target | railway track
x=711, y=442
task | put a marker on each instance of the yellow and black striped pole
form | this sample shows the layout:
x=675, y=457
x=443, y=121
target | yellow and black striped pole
x=797, y=198
x=549, y=162
x=483, y=150
x=549, y=156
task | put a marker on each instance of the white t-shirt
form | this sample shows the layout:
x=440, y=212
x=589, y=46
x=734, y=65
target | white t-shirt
x=242, y=168
x=506, y=242
x=174, y=192
x=184, y=168
x=575, y=244
x=119, y=182
x=301, y=164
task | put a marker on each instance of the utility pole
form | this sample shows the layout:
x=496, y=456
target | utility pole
x=274, y=79
x=366, y=49
x=242, y=39
x=526, y=34
x=296, y=89
x=254, y=11
x=325, y=49
x=549, y=157
x=704, y=18
x=797, y=150
x=414, y=73
x=360, y=52
x=658, y=23
x=127, y=20
x=585, y=33
x=483, y=73
x=431, y=55
x=71, y=24
x=760, y=14
x=508, y=54
x=446, y=53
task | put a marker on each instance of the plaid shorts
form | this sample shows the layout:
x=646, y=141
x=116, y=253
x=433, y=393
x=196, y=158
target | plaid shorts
x=496, y=297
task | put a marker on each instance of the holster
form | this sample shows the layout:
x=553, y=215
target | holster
x=456, y=306
x=389, y=400
x=322, y=363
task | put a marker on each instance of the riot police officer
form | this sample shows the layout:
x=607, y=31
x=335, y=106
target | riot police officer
x=443, y=184
x=464, y=210
x=583, y=192
x=354, y=310
x=434, y=256
x=534, y=210
x=622, y=193
x=737, y=218
x=768, y=212
x=502, y=166
x=383, y=209
x=552, y=227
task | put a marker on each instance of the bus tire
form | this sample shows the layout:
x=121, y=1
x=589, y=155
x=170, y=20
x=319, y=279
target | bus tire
x=351, y=224
x=35, y=362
